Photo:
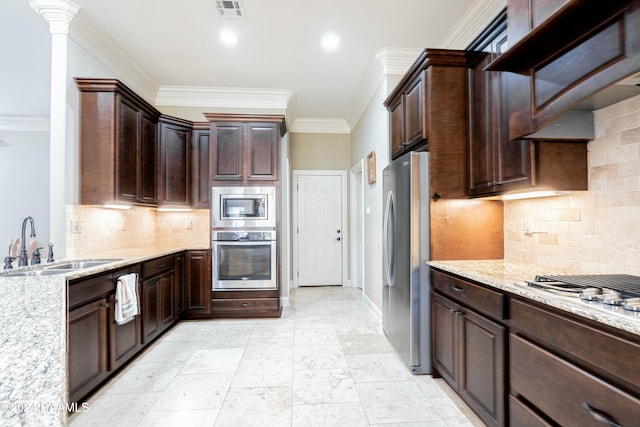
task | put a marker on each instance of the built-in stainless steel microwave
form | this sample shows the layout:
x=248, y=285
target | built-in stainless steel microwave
x=243, y=207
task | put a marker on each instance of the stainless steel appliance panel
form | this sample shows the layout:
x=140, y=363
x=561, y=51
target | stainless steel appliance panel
x=244, y=260
x=406, y=302
x=243, y=207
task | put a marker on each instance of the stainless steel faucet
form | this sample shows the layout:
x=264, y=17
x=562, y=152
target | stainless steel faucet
x=23, y=242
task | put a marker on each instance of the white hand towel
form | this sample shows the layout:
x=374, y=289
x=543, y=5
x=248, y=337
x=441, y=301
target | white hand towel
x=127, y=302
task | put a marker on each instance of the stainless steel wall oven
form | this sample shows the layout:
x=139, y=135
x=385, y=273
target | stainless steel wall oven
x=244, y=259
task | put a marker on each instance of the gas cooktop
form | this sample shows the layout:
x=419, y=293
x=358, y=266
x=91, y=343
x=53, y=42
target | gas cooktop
x=620, y=292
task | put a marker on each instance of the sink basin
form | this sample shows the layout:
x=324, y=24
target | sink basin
x=76, y=265
x=43, y=272
x=65, y=267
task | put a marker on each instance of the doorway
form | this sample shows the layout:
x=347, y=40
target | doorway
x=356, y=224
x=319, y=227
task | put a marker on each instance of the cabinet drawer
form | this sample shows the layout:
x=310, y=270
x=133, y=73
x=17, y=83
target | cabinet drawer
x=562, y=391
x=477, y=297
x=87, y=290
x=520, y=415
x=601, y=351
x=258, y=304
x=158, y=265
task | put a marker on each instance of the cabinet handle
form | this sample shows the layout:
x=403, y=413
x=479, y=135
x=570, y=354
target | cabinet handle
x=600, y=416
x=106, y=305
x=244, y=304
x=457, y=312
x=160, y=265
x=456, y=288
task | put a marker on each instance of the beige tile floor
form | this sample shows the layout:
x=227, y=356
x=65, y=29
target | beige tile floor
x=324, y=363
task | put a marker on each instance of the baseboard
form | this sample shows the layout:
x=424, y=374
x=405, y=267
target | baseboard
x=377, y=313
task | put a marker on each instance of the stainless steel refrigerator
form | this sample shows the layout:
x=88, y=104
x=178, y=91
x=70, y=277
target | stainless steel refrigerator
x=406, y=306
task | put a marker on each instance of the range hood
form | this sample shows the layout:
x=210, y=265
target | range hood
x=577, y=123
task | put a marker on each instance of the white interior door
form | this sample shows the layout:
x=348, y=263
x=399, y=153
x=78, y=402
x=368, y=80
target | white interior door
x=320, y=232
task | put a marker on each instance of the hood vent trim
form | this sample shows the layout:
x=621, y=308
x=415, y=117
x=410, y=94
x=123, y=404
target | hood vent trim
x=231, y=9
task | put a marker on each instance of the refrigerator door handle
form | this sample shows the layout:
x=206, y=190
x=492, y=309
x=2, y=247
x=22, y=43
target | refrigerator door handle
x=387, y=243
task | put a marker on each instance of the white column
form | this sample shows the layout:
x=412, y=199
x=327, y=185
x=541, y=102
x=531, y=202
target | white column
x=58, y=13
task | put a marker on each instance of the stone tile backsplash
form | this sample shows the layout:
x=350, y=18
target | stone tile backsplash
x=93, y=230
x=595, y=231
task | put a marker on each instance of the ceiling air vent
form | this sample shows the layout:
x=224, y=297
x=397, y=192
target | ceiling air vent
x=230, y=9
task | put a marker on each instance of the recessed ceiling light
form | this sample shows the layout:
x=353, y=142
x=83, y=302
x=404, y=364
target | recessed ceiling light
x=229, y=38
x=330, y=42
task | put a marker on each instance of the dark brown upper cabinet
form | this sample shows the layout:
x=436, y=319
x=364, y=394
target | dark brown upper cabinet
x=244, y=149
x=427, y=111
x=496, y=164
x=118, y=145
x=174, y=181
x=566, y=54
x=200, y=166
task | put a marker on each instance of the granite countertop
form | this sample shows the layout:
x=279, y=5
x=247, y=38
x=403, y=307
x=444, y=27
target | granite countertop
x=33, y=335
x=117, y=259
x=509, y=277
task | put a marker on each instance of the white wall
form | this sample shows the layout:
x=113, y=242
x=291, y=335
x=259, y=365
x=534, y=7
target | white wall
x=371, y=133
x=24, y=168
x=24, y=96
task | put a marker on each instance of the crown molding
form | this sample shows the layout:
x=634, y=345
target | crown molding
x=223, y=97
x=473, y=22
x=397, y=60
x=386, y=61
x=309, y=125
x=24, y=124
x=98, y=43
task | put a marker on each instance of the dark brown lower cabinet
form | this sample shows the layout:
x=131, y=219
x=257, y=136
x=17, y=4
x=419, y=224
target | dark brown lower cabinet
x=468, y=352
x=246, y=303
x=98, y=346
x=158, y=305
x=88, y=348
x=565, y=393
x=522, y=416
x=125, y=340
x=445, y=338
x=179, y=277
x=196, y=295
x=566, y=371
x=150, y=296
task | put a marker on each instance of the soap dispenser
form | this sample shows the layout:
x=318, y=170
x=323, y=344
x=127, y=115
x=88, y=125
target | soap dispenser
x=50, y=254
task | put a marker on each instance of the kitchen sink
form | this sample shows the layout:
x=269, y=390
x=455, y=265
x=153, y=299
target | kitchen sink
x=77, y=265
x=53, y=269
x=32, y=273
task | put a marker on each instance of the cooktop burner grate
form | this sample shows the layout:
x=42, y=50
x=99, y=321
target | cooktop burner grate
x=619, y=282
